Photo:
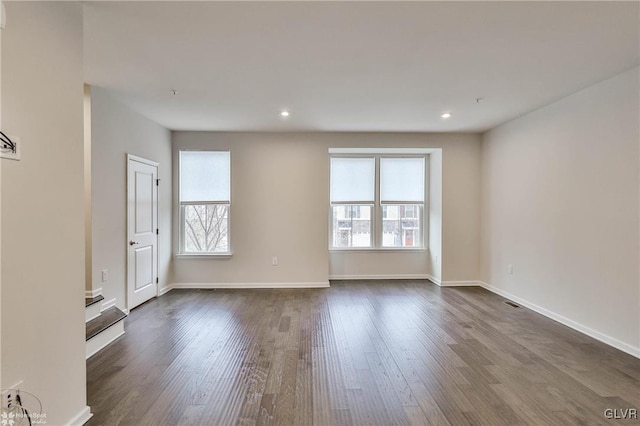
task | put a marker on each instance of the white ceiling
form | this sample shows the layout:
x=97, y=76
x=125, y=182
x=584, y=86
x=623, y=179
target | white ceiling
x=353, y=66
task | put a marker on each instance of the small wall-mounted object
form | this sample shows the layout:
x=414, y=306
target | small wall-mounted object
x=3, y=16
x=9, y=147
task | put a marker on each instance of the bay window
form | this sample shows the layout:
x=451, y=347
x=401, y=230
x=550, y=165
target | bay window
x=377, y=202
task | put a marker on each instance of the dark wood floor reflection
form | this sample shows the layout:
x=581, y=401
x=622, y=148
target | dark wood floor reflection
x=358, y=353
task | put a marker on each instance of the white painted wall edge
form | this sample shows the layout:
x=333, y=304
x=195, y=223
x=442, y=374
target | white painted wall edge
x=381, y=277
x=624, y=347
x=81, y=418
x=322, y=284
x=93, y=293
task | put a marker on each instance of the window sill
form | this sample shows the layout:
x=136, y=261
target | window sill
x=379, y=250
x=203, y=256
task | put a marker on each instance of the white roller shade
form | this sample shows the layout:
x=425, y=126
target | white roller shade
x=402, y=179
x=352, y=179
x=205, y=176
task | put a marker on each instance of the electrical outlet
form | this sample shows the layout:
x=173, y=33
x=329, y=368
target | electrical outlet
x=274, y=261
x=510, y=269
x=9, y=395
x=8, y=398
x=105, y=275
x=12, y=154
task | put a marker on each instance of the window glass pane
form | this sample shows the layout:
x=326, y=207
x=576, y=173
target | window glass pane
x=401, y=225
x=351, y=226
x=205, y=176
x=402, y=179
x=206, y=228
x=352, y=179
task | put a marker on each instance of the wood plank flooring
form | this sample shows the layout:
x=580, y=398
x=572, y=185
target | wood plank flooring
x=358, y=353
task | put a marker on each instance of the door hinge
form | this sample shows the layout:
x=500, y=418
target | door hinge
x=157, y=231
x=157, y=280
x=157, y=182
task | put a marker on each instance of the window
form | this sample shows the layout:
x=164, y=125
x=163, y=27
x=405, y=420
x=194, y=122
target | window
x=352, y=200
x=352, y=225
x=402, y=193
x=205, y=202
x=392, y=186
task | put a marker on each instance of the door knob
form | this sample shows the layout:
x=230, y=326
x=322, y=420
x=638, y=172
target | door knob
x=133, y=243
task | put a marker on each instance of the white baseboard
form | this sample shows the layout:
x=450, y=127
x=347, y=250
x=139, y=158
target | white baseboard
x=459, y=283
x=323, y=284
x=381, y=277
x=103, y=339
x=165, y=290
x=441, y=283
x=108, y=304
x=81, y=418
x=434, y=280
x=624, y=347
x=93, y=293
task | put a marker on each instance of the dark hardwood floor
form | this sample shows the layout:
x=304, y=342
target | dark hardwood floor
x=358, y=353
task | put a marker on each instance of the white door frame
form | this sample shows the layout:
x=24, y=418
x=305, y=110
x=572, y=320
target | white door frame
x=128, y=282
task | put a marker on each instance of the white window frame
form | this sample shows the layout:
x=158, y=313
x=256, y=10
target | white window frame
x=376, y=211
x=181, y=214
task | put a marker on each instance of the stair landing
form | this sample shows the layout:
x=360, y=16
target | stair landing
x=88, y=301
x=104, y=329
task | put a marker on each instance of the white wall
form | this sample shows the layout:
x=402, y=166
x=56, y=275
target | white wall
x=88, y=247
x=43, y=333
x=560, y=203
x=117, y=131
x=435, y=217
x=280, y=208
x=461, y=210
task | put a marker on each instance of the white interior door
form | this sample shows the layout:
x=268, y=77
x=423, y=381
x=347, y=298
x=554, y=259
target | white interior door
x=142, y=230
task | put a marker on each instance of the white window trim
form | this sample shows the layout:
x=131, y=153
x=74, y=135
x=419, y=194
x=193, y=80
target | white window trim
x=181, y=254
x=376, y=211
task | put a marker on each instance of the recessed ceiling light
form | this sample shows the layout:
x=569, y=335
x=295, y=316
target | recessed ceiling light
x=446, y=115
x=284, y=113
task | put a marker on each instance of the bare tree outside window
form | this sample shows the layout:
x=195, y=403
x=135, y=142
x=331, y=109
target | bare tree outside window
x=206, y=228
